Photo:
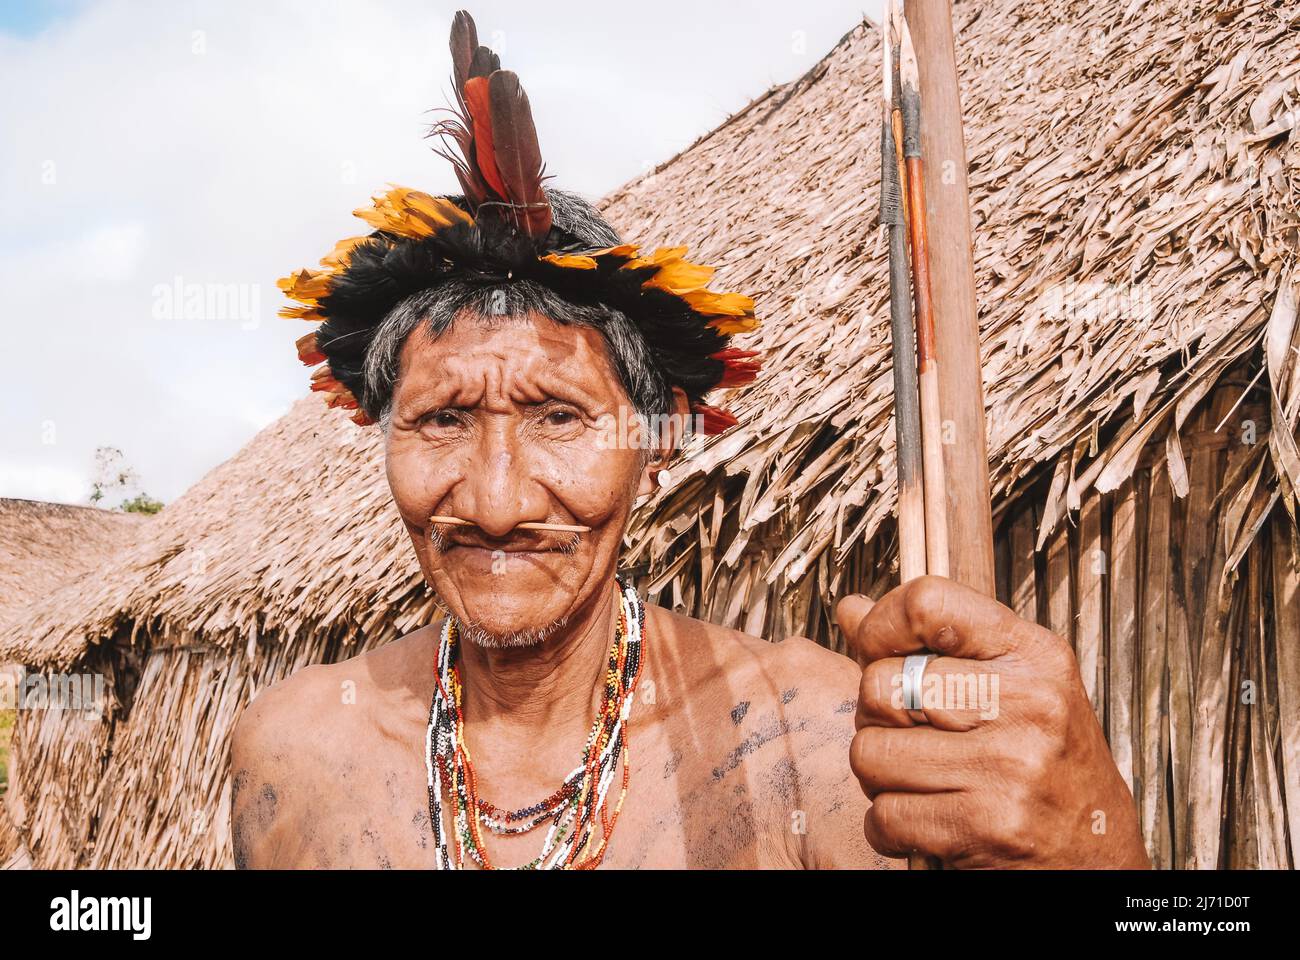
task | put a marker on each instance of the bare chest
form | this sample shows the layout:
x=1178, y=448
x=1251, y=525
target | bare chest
x=700, y=801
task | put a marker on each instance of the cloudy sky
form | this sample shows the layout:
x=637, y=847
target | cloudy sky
x=149, y=151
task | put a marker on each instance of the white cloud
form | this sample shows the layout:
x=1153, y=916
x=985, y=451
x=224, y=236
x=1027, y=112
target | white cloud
x=227, y=143
x=110, y=253
x=37, y=481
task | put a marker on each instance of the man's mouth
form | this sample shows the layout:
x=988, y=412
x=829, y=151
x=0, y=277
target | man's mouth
x=477, y=561
x=473, y=542
x=512, y=548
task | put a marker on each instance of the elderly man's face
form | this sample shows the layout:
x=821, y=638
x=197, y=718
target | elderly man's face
x=502, y=421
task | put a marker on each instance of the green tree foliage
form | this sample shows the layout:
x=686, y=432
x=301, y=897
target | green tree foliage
x=142, y=504
x=112, y=475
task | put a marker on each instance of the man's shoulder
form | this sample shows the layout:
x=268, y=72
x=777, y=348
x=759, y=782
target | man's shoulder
x=306, y=703
x=291, y=749
x=301, y=693
x=802, y=674
x=298, y=702
x=272, y=754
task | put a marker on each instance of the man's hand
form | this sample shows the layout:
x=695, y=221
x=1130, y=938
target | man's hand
x=1012, y=768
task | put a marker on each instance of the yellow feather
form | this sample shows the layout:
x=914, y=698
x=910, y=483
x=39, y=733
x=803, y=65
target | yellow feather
x=660, y=257
x=338, y=258
x=680, y=276
x=386, y=215
x=302, y=313
x=412, y=214
x=572, y=261
x=623, y=250
x=438, y=211
x=720, y=304
x=305, y=286
x=731, y=325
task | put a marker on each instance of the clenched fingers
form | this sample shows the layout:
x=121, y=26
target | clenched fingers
x=956, y=694
x=921, y=759
x=945, y=617
x=900, y=824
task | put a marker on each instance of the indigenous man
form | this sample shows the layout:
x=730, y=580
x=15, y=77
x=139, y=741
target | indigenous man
x=504, y=340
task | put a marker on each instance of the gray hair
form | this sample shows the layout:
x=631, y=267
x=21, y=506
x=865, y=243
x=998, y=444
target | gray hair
x=438, y=307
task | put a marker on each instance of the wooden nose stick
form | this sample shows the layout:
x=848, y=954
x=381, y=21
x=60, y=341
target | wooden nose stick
x=527, y=525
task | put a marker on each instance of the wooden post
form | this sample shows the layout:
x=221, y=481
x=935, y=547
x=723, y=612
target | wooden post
x=961, y=385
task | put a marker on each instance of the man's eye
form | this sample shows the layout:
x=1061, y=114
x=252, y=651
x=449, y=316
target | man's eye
x=444, y=418
x=560, y=418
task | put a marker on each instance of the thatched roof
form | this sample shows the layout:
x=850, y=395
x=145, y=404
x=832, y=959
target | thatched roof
x=46, y=546
x=1149, y=145
x=293, y=535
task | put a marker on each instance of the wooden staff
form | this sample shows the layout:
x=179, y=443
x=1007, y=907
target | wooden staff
x=927, y=360
x=907, y=417
x=956, y=326
x=940, y=209
x=913, y=481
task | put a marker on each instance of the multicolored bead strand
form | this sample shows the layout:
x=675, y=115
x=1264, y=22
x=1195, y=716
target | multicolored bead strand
x=582, y=799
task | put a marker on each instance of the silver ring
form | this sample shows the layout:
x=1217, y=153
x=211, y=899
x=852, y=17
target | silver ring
x=913, y=673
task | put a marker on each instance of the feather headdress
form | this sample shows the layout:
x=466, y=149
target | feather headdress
x=503, y=228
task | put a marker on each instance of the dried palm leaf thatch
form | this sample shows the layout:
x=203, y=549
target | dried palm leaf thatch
x=13, y=854
x=44, y=546
x=1134, y=175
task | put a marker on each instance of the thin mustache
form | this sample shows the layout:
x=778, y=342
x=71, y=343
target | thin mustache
x=441, y=542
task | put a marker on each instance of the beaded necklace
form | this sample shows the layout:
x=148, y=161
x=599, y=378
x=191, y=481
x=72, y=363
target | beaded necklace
x=581, y=801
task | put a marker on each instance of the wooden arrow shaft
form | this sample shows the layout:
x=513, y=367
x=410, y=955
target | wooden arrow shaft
x=946, y=209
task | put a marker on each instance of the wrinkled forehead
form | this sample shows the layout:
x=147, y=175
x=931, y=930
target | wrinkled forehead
x=526, y=357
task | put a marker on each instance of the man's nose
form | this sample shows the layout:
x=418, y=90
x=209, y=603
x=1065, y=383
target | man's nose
x=498, y=492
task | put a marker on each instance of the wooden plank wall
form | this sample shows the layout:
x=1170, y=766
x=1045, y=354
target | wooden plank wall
x=1184, y=614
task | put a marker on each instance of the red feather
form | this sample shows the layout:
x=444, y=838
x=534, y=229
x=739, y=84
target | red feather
x=480, y=113
x=714, y=420
x=458, y=128
x=492, y=131
x=738, y=366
